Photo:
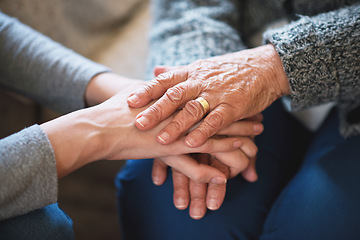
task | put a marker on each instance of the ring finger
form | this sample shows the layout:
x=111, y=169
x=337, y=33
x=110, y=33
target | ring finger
x=192, y=113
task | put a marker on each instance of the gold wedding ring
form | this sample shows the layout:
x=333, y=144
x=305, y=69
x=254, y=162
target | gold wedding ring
x=204, y=104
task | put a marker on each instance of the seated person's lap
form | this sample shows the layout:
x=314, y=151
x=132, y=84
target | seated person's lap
x=147, y=211
x=49, y=222
x=322, y=200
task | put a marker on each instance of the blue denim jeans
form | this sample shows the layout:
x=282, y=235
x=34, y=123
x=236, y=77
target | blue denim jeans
x=308, y=188
x=43, y=224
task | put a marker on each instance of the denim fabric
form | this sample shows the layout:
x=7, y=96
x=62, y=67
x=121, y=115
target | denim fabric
x=322, y=200
x=307, y=189
x=47, y=223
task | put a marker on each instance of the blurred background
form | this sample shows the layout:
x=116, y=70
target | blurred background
x=111, y=32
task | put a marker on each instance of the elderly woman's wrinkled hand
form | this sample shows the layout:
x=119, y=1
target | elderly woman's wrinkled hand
x=232, y=87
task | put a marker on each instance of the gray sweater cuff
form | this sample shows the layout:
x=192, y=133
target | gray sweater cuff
x=27, y=172
x=307, y=62
x=320, y=57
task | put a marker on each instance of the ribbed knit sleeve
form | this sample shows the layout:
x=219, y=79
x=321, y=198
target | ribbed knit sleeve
x=37, y=67
x=28, y=178
x=321, y=57
x=187, y=30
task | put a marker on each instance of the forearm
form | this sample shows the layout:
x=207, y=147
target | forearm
x=37, y=67
x=87, y=135
x=75, y=140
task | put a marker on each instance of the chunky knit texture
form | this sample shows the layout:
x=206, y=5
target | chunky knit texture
x=319, y=49
x=321, y=56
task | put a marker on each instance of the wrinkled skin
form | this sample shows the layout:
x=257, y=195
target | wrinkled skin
x=237, y=85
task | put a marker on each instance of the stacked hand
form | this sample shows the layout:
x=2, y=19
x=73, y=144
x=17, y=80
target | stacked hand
x=232, y=87
x=107, y=131
x=193, y=188
x=236, y=86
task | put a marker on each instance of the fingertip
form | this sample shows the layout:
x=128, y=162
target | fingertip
x=237, y=144
x=163, y=138
x=196, y=214
x=259, y=117
x=212, y=204
x=159, y=70
x=180, y=203
x=141, y=122
x=218, y=180
x=253, y=178
x=191, y=142
x=250, y=176
x=158, y=181
x=133, y=100
x=258, y=128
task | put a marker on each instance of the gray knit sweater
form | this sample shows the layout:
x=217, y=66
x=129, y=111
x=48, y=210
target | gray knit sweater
x=319, y=49
x=35, y=66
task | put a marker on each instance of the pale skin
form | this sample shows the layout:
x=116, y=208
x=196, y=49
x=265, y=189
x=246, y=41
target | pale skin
x=236, y=85
x=200, y=196
x=107, y=131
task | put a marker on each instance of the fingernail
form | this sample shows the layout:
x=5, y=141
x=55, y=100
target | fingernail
x=190, y=142
x=180, y=203
x=218, y=180
x=156, y=180
x=143, y=121
x=258, y=127
x=237, y=144
x=212, y=204
x=134, y=98
x=196, y=213
x=164, y=137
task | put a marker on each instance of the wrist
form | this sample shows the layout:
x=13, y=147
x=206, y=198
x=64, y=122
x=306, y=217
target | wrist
x=75, y=140
x=105, y=85
x=279, y=72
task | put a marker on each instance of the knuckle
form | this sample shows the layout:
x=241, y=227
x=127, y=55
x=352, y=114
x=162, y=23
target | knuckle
x=178, y=125
x=176, y=94
x=215, y=120
x=198, y=198
x=242, y=164
x=193, y=110
x=197, y=64
x=163, y=77
x=202, y=133
x=155, y=111
x=148, y=89
x=199, y=177
x=208, y=146
x=178, y=188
